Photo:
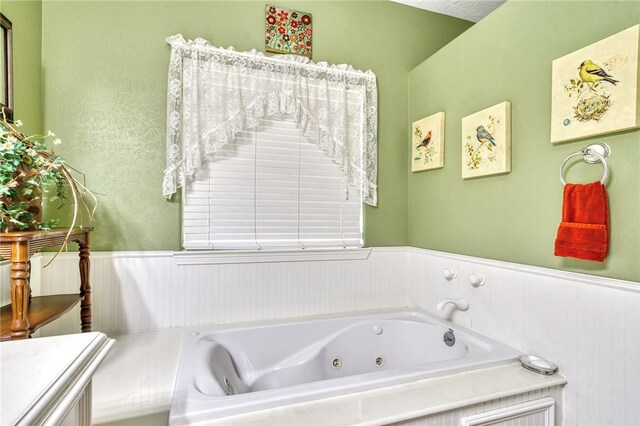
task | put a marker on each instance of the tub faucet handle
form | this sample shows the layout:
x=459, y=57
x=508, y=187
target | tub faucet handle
x=477, y=279
x=461, y=304
x=449, y=273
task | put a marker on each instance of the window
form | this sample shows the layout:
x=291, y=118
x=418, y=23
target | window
x=273, y=152
x=271, y=188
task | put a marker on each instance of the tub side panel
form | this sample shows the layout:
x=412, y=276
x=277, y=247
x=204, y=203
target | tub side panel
x=455, y=417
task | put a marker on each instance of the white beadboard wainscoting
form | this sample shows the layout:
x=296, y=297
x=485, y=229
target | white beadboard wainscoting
x=141, y=291
x=587, y=325
x=5, y=278
x=5, y=288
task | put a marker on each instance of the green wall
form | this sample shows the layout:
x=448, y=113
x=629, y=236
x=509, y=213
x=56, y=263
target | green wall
x=26, y=19
x=514, y=217
x=105, y=69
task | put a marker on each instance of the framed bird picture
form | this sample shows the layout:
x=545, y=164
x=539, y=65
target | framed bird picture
x=427, y=143
x=486, y=142
x=594, y=90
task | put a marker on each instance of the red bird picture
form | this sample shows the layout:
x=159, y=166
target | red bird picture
x=425, y=141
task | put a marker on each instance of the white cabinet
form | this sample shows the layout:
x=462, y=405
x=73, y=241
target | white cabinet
x=47, y=380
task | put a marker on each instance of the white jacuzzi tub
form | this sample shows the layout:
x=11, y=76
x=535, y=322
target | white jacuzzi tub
x=228, y=370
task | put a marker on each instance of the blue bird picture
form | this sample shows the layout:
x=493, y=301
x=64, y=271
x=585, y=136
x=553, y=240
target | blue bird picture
x=484, y=136
x=486, y=141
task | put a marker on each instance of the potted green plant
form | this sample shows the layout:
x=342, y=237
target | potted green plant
x=31, y=171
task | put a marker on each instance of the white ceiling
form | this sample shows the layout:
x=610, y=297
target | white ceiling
x=471, y=10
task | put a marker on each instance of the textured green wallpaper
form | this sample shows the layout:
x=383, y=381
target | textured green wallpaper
x=514, y=217
x=105, y=69
x=26, y=18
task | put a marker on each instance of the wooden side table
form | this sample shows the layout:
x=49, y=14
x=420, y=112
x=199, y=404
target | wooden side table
x=26, y=314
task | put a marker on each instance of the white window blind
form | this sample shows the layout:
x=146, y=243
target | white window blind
x=271, y=188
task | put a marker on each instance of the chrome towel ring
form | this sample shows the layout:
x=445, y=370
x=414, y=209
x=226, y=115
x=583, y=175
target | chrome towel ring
x=593, y=154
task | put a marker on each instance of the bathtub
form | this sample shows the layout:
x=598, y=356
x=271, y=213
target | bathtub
x=229, y=370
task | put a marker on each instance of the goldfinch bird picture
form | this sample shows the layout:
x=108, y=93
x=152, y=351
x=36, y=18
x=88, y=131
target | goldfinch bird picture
x=595, y=89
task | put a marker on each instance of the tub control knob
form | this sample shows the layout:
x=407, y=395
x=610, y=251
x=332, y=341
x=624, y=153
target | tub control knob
x=449, y=273
x=477, y=279
x=377, y=329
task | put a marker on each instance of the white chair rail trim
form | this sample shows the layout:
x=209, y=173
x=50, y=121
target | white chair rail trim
x=536, y=270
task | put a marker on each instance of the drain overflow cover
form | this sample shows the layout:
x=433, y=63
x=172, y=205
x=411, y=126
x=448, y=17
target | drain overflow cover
x=336, y=363
x=449, y=339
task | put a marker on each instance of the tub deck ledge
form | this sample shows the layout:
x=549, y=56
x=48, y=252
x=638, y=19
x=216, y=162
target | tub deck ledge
x=135, y=386
x=407, y=401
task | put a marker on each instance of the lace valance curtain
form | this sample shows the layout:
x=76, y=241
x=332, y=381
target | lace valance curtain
x=213, y=93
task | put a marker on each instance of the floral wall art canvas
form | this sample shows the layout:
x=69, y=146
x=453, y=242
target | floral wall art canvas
x=595, y=89
x=427, y=143
x=486, y=142
x=288, y=31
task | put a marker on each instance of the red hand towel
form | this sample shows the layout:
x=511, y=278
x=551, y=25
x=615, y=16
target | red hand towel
x=584, y=230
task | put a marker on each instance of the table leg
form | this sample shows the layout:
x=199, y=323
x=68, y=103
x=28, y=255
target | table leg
x=19, y=289
x=85, y=286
